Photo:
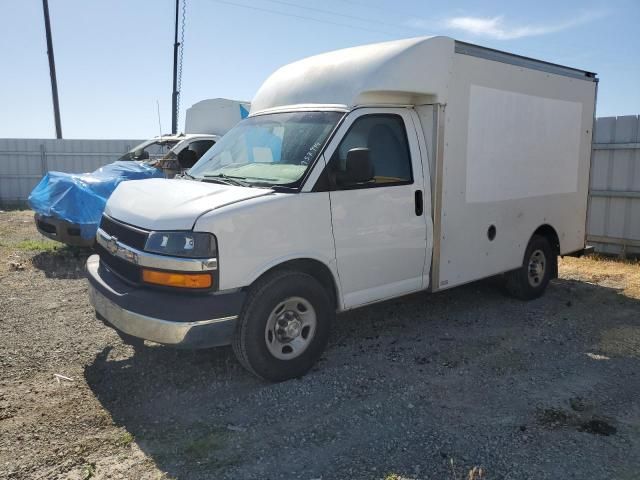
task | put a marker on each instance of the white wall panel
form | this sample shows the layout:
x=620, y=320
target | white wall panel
x=614, y=212
x=24, y=161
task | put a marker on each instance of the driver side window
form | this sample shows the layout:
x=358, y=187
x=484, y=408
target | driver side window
x=383, y=137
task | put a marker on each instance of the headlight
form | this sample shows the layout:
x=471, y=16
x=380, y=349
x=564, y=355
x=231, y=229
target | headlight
x=182, y=244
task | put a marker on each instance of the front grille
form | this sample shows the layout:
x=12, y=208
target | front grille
x=128, y=235
x=131, y=236
x=122, y=268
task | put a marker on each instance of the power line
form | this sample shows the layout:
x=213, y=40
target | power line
x=303, y=17
x=344, y=15
x=381, y=9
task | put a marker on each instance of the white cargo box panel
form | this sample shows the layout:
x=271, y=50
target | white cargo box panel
x=215, y=116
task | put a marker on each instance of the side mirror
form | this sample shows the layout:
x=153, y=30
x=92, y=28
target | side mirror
x=187, y=158
x=141, y=155
x=359, y=168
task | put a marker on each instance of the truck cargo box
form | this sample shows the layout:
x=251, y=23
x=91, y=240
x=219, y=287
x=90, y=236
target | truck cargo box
x=508, y=140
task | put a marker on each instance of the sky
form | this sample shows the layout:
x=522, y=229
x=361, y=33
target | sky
x=114, y=58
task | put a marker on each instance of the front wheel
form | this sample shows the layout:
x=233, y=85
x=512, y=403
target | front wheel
x=284, y=326
x=531, y=279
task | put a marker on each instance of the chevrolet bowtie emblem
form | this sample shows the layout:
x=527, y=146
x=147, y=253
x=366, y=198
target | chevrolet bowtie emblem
x=112, y=245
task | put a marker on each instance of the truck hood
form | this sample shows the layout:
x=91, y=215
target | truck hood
x=161, y=204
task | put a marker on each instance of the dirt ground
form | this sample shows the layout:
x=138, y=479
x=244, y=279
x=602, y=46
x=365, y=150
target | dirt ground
x=424, y=387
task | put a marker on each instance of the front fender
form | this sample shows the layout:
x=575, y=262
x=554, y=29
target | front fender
x=258, y=234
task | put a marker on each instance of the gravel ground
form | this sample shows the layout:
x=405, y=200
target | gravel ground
x=424, y=387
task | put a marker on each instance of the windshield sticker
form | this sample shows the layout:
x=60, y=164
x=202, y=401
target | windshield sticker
x=311, y=154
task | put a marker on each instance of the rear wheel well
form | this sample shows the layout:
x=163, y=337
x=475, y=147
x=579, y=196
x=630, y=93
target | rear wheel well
x=550, y=234
x=316, y=269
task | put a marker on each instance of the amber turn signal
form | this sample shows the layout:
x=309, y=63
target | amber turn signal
x=172, y=279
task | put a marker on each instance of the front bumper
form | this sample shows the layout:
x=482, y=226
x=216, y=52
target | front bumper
x=178, y=319
x=62, y=231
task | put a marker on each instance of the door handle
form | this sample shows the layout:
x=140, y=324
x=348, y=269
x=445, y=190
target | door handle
x=419, y=203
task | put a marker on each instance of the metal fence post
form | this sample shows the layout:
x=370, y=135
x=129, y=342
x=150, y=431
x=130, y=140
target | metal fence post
x=43, y=159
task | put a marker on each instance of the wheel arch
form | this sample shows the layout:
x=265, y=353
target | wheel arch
x=550, y=233
x=314, y=267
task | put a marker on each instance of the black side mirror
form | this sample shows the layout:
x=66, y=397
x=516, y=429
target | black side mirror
x=187, y=158
x=141, y=155
x=359, y=168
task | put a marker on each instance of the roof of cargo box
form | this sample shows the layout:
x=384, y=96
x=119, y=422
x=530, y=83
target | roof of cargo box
x=411, y=71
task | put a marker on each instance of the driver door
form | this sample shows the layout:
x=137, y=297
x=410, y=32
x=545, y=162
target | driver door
x=380, y=226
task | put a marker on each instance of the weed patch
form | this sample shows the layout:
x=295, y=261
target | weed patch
x=37, y=246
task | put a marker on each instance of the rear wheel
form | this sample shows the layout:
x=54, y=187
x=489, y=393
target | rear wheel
x=284, y=326
x=531, y=279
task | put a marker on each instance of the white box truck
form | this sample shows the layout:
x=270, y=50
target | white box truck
x=215, y=115
x=360, y=175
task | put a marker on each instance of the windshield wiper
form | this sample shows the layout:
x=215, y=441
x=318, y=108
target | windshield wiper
x=241, y=181
x=274, y=186
x=217, y=180
x=226, y=179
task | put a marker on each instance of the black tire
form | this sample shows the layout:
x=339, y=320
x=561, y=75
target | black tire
x=250, y=344
x=520, y=284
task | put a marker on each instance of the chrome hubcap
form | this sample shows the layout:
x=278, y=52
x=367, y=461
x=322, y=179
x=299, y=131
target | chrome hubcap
x=290, y=328
x=537, y=266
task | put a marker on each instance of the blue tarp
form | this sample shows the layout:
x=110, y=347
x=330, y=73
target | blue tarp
x=81, y=198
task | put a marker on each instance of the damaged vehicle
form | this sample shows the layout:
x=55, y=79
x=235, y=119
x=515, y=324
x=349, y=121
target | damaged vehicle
x=68, y=206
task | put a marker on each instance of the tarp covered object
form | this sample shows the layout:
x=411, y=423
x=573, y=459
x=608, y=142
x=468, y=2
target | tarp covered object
x=81, y=198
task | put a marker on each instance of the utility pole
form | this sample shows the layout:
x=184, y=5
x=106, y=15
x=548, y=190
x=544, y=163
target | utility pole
x=174, y=96
x=52, y=69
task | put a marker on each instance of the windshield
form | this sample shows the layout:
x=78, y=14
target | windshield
x=273, y=149
x=149, y=150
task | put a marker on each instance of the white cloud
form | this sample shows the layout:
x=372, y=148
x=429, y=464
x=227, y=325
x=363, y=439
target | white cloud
x=496, y=27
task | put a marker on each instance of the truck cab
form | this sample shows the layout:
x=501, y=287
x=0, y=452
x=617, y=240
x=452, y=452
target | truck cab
x=360, y=175
x=151, y=149
x=184, y=154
